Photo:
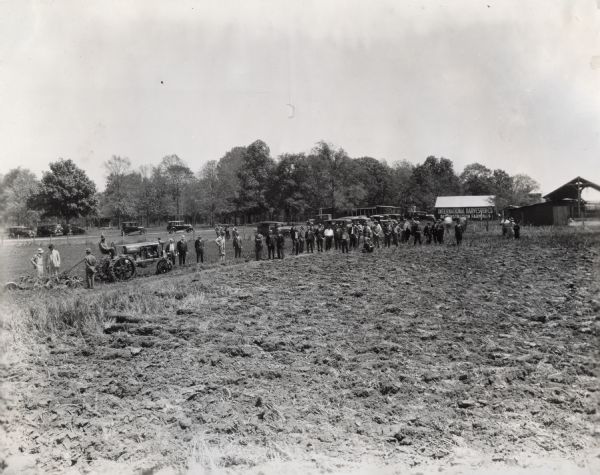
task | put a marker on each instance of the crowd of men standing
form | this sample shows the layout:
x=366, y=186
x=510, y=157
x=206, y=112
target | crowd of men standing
x=341, y=236
x=347, y=237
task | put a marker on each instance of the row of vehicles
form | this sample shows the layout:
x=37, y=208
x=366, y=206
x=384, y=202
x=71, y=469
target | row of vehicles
x=133, y=227
x=51, y=230
x=44, y=230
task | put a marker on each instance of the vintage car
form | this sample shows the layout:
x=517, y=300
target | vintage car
x=20, y=232
x=140, y=254
x=131, y=227
x=47, y=230
x=264, y=226
x=71, y=230
x=342, y=221
x=174, y=226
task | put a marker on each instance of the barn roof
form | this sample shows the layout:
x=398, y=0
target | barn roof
x=474, y=201
x=569, y=189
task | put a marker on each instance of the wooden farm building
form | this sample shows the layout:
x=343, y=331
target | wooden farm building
x=542, y=214
x=560, y=205
x=479, y=207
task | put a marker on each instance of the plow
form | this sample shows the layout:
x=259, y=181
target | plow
x=112, y=268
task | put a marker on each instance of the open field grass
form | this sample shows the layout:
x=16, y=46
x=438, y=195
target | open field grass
x=15, y=254
x=402, y=358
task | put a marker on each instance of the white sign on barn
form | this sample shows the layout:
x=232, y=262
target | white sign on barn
x=472, y=207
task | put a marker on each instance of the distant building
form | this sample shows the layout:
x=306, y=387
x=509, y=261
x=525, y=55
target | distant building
x=478, y=207
x=560, y=205
x=542, y=214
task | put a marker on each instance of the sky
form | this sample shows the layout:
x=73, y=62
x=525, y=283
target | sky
x=511, y=84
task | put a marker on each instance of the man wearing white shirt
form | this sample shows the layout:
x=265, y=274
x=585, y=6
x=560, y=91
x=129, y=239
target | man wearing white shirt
x=53, y=261
x=328, y=237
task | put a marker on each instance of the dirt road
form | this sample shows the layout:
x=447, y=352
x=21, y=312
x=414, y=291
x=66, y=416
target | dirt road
x=402, y=356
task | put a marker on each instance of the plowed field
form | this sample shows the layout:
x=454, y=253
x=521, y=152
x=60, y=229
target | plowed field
x=404, y=356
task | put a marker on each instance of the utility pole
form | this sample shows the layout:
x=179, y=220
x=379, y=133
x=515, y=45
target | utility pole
x=579, y=185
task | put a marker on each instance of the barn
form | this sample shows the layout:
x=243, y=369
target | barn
x=561, y=204
x=477, y=207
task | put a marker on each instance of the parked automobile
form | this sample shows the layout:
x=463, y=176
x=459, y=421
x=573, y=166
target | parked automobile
x=342, y=221
x=174, y=226
x=421, y=216
x=47, y=230
x=264, y=226
x=71, y=229
x=131, y=227
x=20, y=231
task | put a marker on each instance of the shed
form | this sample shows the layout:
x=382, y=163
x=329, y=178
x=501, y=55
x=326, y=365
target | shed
x=468, y=206
x=542, y=214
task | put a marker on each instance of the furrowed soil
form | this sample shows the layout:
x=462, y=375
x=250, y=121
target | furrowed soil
x=404, y=357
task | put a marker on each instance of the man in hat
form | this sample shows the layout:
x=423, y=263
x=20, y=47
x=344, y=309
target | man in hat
x=368, y=245
x=301, y=238
x=53, y=261
x=294, y=238
x=199, y=248
x=221, y=246
x=458, y=233
x=237, y=244
x=90, y=268
x=416, y=232
x=427, y=233
x=517, y=230
x=280, y=240
x=271, y=242
x=344, y=240
x=320, y=237
x=38, y=262
x=171, y=251
x=182, y=250
x=310, y=239
x=105, y=249
x=258, y=245
x=328, y=233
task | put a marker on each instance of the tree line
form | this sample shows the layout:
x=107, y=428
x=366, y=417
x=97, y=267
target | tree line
x=248, y=184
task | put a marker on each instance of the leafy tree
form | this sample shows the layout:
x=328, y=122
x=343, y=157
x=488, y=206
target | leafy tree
x=335, y=169
x=254, y=177
x=289, y=188
x=523, y=187
x=16, y=188
x=228, y=168
x=401, y=174
x=208, y=193
x=434, y=177
x=375, y=178
x=502, y=186
x=177, y=175
x=146, y=194
x=65, y=191
x=476, y=179
x=118, y=196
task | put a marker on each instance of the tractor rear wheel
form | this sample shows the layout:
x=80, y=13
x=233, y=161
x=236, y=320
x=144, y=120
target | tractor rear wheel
x=123, y=268
x=163, y=266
